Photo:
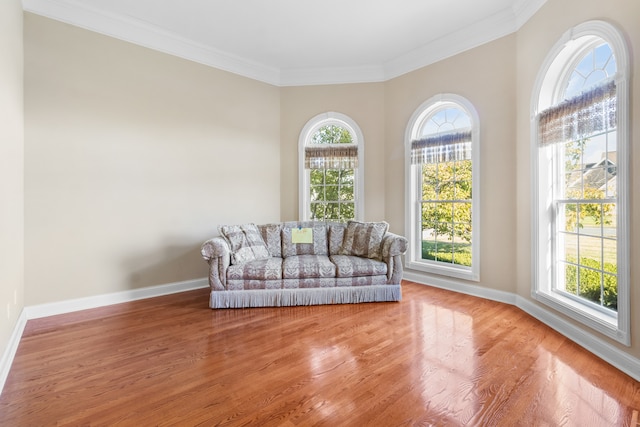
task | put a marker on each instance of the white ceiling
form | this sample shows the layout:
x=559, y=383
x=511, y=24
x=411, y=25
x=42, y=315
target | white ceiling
x=300, y=42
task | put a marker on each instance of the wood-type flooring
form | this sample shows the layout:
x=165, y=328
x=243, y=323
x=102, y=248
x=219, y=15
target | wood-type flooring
x=435, y=358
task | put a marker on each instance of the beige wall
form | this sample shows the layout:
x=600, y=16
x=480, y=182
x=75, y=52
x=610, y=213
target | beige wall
x=485, y=76
x=535, y=40
x=134, y=157
x=11, y=169
x=364, y=103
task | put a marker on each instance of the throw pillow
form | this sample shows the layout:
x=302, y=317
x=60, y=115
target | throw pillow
x=245, y=242
x=364, y=239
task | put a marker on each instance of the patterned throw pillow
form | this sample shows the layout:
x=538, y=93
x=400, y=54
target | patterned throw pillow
x=364, y=239
x=245, y=242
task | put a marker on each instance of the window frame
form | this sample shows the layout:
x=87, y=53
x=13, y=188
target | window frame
x=552, y=78
x=309, y=129
x=413, y=217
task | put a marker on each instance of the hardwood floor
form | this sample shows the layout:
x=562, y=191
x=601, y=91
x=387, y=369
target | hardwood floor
x=435, y=358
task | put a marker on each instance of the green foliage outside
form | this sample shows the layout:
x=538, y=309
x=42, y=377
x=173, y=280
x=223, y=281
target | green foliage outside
x=332, y=194
x=446, y=211
x=590, y=283
x=457, y=253
x=332, y=190
x=332, y=134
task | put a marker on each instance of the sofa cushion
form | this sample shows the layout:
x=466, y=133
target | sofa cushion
x=308, y=267
x=261, y=269
x=336, y=236
x=318, y=247
x=271, y=234
x=364, y=239
x=353, y=266
x=245, y=242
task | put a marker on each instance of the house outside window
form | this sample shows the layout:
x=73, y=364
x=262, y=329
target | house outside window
x=442, y=164
x=330, y=156
x=580, y=153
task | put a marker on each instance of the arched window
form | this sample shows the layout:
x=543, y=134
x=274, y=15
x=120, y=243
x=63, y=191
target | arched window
x=580, y=152
x=331, y=154
x=442, y=164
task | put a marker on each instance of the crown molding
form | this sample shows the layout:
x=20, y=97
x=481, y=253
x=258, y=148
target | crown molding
x=149, y=36
x=77, y=13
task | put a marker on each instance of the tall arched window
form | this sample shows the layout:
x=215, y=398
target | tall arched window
x=442, y=164
x=580, y=151
x=331, y=154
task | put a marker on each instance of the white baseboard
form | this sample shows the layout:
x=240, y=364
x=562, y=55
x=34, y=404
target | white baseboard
x=12, y=348
x=62, y=307
x=460, y=287
x=611, y=354
x=69, y=306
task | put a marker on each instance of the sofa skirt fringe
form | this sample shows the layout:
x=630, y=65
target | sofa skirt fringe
x=304, y=296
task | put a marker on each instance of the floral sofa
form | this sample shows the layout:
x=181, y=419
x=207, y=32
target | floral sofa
x=304, y=263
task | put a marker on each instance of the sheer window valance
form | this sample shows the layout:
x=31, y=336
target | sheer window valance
x=579, y=117
x=442, y=148
x=331, y=157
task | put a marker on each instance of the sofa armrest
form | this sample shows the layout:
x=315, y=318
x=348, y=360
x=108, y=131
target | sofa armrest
x=217, y=253
x=393, y=245
x=215, y=248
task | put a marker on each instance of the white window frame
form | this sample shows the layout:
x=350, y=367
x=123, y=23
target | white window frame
x=413, y=217
x=551, y=79
x=309, y=129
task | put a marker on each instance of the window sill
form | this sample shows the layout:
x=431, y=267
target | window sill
x=595, y=319
x=461, y=272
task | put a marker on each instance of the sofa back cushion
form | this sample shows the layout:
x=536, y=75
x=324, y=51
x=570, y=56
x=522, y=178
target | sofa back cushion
x=364, y=239
x=336, y=236
x=245, y=242
x=319, y=246
x=271, y=234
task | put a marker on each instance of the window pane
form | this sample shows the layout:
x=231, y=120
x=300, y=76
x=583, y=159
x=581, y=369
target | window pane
x=462, y=212
x=317, y=176
x=590, y=251
x=346, y=176
x=610, y=255
x=610, y=296
x=569, y=215
x=346, y=211
x=570, y=275
x=568, y=247
x=332, y=212
x=573, y=155
x=331, y=134
x=331, y=193
x=463, y=170
x=317, y=211
x=332, y=176
x=346, y=192
x=610, y=220
x=590, y=285
x=446, y=190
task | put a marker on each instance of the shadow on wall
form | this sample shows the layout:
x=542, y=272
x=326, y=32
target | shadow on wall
x=171, y=263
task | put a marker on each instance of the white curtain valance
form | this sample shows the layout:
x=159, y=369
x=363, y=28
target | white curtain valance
x=442, y=148
x=579, y=117
x=331, y=157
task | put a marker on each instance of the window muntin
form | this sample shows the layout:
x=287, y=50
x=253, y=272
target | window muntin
x=331, y=154
x=442, y=165
x=580, y=206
